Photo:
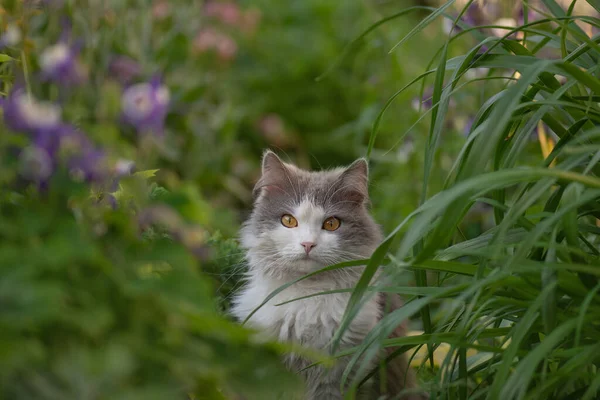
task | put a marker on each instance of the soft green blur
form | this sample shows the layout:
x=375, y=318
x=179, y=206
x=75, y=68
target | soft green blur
x=118, y=288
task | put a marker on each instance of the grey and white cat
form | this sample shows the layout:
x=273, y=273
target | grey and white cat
x=303, y=221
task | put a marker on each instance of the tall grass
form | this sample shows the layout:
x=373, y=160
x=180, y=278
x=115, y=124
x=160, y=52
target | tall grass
x=518, y=305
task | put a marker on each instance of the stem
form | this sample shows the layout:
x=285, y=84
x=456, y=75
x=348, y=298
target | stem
x=26, y=72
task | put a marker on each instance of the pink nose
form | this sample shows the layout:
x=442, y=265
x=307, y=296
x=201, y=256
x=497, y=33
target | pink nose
x=308, y=246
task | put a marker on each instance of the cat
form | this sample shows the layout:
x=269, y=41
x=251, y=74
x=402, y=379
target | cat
x=303, y=221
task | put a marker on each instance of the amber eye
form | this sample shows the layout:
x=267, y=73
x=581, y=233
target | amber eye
x=288, y=221
x=331, y=224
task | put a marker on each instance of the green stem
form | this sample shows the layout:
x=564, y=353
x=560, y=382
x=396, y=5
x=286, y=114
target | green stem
x=26, y=72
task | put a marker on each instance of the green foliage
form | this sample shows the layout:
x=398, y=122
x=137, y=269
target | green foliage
x=88, y=309
x=518, y=303
x=105, y=288
x=117, y=288
x=126, y=279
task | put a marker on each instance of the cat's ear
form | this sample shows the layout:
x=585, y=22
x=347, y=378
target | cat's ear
x=355, y=181
x=275, y=174
x=271, y=163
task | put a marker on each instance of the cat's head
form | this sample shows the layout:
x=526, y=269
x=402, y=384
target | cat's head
x=305, y=220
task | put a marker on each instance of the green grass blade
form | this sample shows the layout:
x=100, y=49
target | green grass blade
x=423, y=23
x=287, y=285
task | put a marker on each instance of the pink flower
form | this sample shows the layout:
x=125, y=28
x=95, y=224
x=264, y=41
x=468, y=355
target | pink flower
x=161, y=9
x=271, y=125
x=227, y=12
x=205, y=40
x=226, y=48
x=273, y=129
x=211, y=40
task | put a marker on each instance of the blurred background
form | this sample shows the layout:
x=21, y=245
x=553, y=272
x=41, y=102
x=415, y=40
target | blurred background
x=258, y=66
x=251, y=75
x=308, y=79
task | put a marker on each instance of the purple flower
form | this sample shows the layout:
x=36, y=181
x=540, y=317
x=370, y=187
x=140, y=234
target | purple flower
x=145, y=106
x=124, y=167
x=35, y=164
x=84, y=161
x=468, y=126
x=124, y=69
x=121, y=169
x=39, y=161
x=59, y=64
x=22, y=113
x=11, y=37
x=532, y=16
x=473, y=15
x=88, y=166
x=112, y=201
x=52, y=140
x=426, y=102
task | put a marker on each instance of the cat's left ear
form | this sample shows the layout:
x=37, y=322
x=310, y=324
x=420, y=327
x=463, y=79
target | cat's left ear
x=355, y=181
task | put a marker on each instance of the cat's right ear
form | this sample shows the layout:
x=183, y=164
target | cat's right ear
x=275, y=175
x=271, y=163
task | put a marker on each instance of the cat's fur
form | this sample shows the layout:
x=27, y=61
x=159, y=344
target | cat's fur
x=275, y=256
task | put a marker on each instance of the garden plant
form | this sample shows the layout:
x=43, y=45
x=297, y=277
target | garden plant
x=130, y=140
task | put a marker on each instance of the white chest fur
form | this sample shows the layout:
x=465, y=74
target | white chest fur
x=310, y=322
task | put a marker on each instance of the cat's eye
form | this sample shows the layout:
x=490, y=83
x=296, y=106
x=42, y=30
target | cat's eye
x=331, y=224
x=289, y=221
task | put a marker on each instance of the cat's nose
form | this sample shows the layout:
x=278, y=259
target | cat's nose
x=308, y=246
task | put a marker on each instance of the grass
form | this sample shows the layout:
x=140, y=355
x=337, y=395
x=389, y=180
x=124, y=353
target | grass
x=518, y=311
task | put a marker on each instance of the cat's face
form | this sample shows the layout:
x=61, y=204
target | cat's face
x=303, y=221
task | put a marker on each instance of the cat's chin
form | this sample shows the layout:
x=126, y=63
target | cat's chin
x=306, y=265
